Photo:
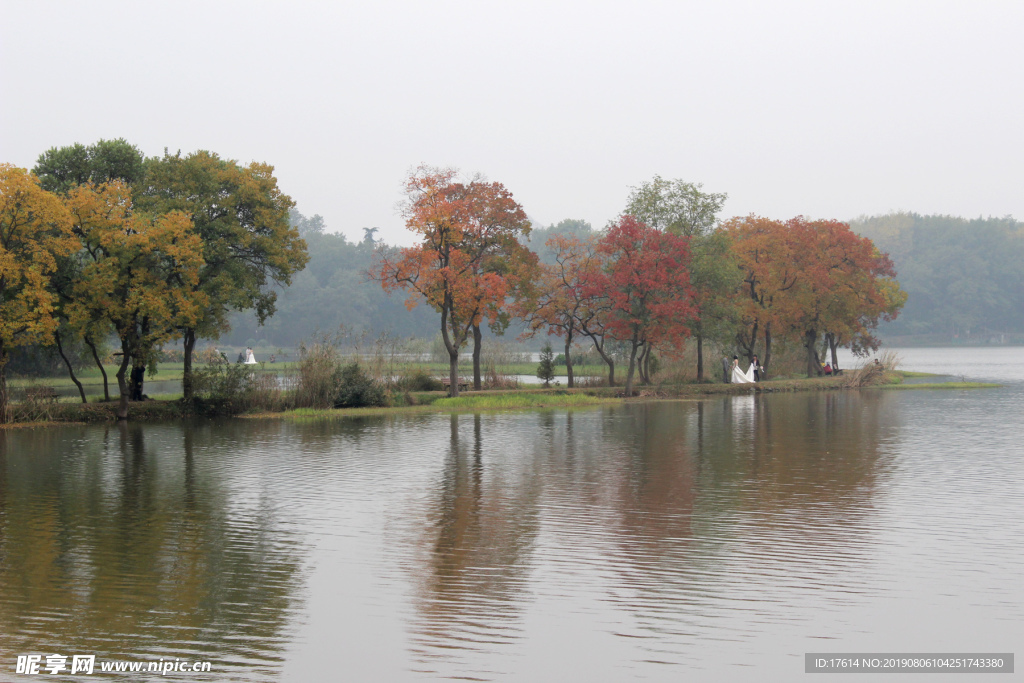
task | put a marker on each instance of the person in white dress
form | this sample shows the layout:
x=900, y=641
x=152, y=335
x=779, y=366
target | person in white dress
x=740, y=377
x=250, y=359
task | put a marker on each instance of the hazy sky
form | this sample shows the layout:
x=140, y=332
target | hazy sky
x=815, y=108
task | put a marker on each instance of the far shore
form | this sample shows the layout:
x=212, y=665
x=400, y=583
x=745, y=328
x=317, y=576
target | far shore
x=171, y=408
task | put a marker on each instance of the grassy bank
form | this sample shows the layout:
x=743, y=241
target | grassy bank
x=494, y=400
x=477, y=402
x=943, y=385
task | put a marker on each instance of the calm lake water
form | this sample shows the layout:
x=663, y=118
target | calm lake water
x=694, y=540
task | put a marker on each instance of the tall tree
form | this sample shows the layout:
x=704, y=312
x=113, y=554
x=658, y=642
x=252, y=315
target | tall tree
x=807, y=278
x=843, y=286
x=463, y=227
x=34, y=230
x=60, y=169
x=568, y=228
x=675, y=206
x=141, y=276
x=682, y=208
x=766, y=264
x=647, y=283
x=248, y=243
x=517, y=266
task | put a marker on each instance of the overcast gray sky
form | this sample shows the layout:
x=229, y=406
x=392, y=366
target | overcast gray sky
x=815, y=108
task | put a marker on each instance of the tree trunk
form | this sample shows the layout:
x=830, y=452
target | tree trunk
x=833, y=345
x=767, y=347
x=810, y=342
x=568, y=358
x=189, y=344
x=71, y=371
x=5, y=406
x=453, y=373
x=122, y=383
x=452, y=347
x=748, y=345
x=642, y=366
x=609, y=361
x=96, y=357
x=700, y=358
x=138, y=377
x=477, y=344
x=632, y=365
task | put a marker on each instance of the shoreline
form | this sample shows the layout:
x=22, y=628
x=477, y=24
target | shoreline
x=485, y=401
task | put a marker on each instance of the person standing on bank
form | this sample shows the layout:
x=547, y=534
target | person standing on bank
x=738, y=376
x=758, y=370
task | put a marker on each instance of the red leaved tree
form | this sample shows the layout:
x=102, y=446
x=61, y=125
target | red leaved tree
x=647, y=285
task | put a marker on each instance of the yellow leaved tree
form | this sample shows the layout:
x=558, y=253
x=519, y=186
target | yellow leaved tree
x=34, y=230
x=138, y=274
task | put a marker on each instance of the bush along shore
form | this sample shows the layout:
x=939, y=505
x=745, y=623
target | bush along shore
x=328, y=385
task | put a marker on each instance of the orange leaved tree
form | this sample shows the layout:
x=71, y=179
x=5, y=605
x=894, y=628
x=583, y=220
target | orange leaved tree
x=34, y=230
x=807, y=278
x=466, y=230
x=843, y=287
x=763, y=255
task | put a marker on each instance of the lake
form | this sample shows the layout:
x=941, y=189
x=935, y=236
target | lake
x=718, y=539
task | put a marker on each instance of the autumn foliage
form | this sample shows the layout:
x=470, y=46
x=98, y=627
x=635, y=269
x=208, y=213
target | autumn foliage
x=139, y=275
x=468, y=260
x=34, y=230
x=647, y=285
x=169, y=255
x=804, y=279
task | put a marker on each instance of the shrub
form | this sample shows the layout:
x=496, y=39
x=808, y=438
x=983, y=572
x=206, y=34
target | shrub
x=211, y=356
x=420, y=380
x=356, y=389
x=318, y=369
x=498, y=380
x=171, y=356
x=872, y=372
x=229, y=389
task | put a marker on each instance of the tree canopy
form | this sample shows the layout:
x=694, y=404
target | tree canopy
x=242, y=220
x=464, y=228
x=35, y=229
x=60, y=169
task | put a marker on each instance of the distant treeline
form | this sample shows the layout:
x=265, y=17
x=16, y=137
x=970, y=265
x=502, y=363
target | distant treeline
x=964, y=277
x=333, y=290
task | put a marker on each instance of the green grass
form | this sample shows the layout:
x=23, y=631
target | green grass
x=477, y=402
x=943, y=385
x=514, y=401
x=910, y=373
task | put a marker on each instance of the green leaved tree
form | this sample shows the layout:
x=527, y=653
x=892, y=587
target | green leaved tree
x=248, y=244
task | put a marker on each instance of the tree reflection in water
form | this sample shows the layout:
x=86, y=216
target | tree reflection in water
x=114, y=538
x=483, y=521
